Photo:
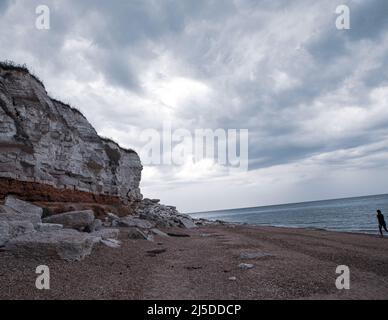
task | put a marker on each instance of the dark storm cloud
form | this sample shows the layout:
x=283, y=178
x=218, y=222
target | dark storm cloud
x=369, y=19
x=124, y=29
x=4, y=5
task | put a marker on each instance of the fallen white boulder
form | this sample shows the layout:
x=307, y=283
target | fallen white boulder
x=13, y=229
x=95, y=226
x=18, y=228
x=33, y=218
x=112, y=217
x=164, y=216
x=108, y=233
x=159, y=233
x=187, y=223
x=66, y=244
x=246, y=266
x=47, y=227
x=22, y=206
x=111, y=243
x=5, y=209
x=136, y=234
x=78, y=220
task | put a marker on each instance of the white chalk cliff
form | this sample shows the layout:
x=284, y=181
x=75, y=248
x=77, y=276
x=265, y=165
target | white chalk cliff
x=48, y=142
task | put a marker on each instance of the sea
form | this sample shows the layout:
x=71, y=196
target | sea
x=357, y=215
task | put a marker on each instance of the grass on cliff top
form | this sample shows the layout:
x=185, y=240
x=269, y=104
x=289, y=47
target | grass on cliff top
x=68, y=105
x=109, y=140
x=9, y=65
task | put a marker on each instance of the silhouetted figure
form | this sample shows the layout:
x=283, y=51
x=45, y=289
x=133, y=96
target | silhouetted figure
x=382, y=224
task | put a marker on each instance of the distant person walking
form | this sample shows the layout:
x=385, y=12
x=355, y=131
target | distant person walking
x=382, y=224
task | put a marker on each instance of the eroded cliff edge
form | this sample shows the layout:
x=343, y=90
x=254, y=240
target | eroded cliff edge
x=50, y=152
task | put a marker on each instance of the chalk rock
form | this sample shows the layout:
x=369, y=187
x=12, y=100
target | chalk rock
x=147, y=201
x=159, y=233
x=164, y=216
x=107, y=233
x=135, y=222
x=34, y=218
x=112, y=217
x=111, y=243
x=78, y=220
x=187, y=223
x=246, y=266
x=66, y=244
x=47, y=227
x=136, y=234
x=22, y=206
x=205, y=235
x=18, y=228
x=13, y=229
x=5, y=209
x=95, y=226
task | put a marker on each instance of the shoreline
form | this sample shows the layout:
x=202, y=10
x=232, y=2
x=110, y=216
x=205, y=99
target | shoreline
x=242, y=224
x=287, y=264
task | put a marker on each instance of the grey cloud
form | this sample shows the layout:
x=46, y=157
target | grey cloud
x=4, y=5
x=369, y=19
x=376, y=76
x=233, y=48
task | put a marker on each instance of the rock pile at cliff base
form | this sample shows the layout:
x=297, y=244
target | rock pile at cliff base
x=71, y=236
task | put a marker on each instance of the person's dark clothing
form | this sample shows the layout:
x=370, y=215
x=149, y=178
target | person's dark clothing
x=381, y=219
x=382, y=224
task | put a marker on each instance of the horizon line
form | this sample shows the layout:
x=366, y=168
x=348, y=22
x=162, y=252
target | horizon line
x=290, y=203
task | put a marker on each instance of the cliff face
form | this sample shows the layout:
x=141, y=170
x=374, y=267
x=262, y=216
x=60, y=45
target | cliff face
x=43, y=141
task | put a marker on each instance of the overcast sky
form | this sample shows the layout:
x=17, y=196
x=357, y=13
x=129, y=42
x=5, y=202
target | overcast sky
x=314, y=98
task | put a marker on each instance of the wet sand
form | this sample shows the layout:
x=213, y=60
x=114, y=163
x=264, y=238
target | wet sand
x=301, y=265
